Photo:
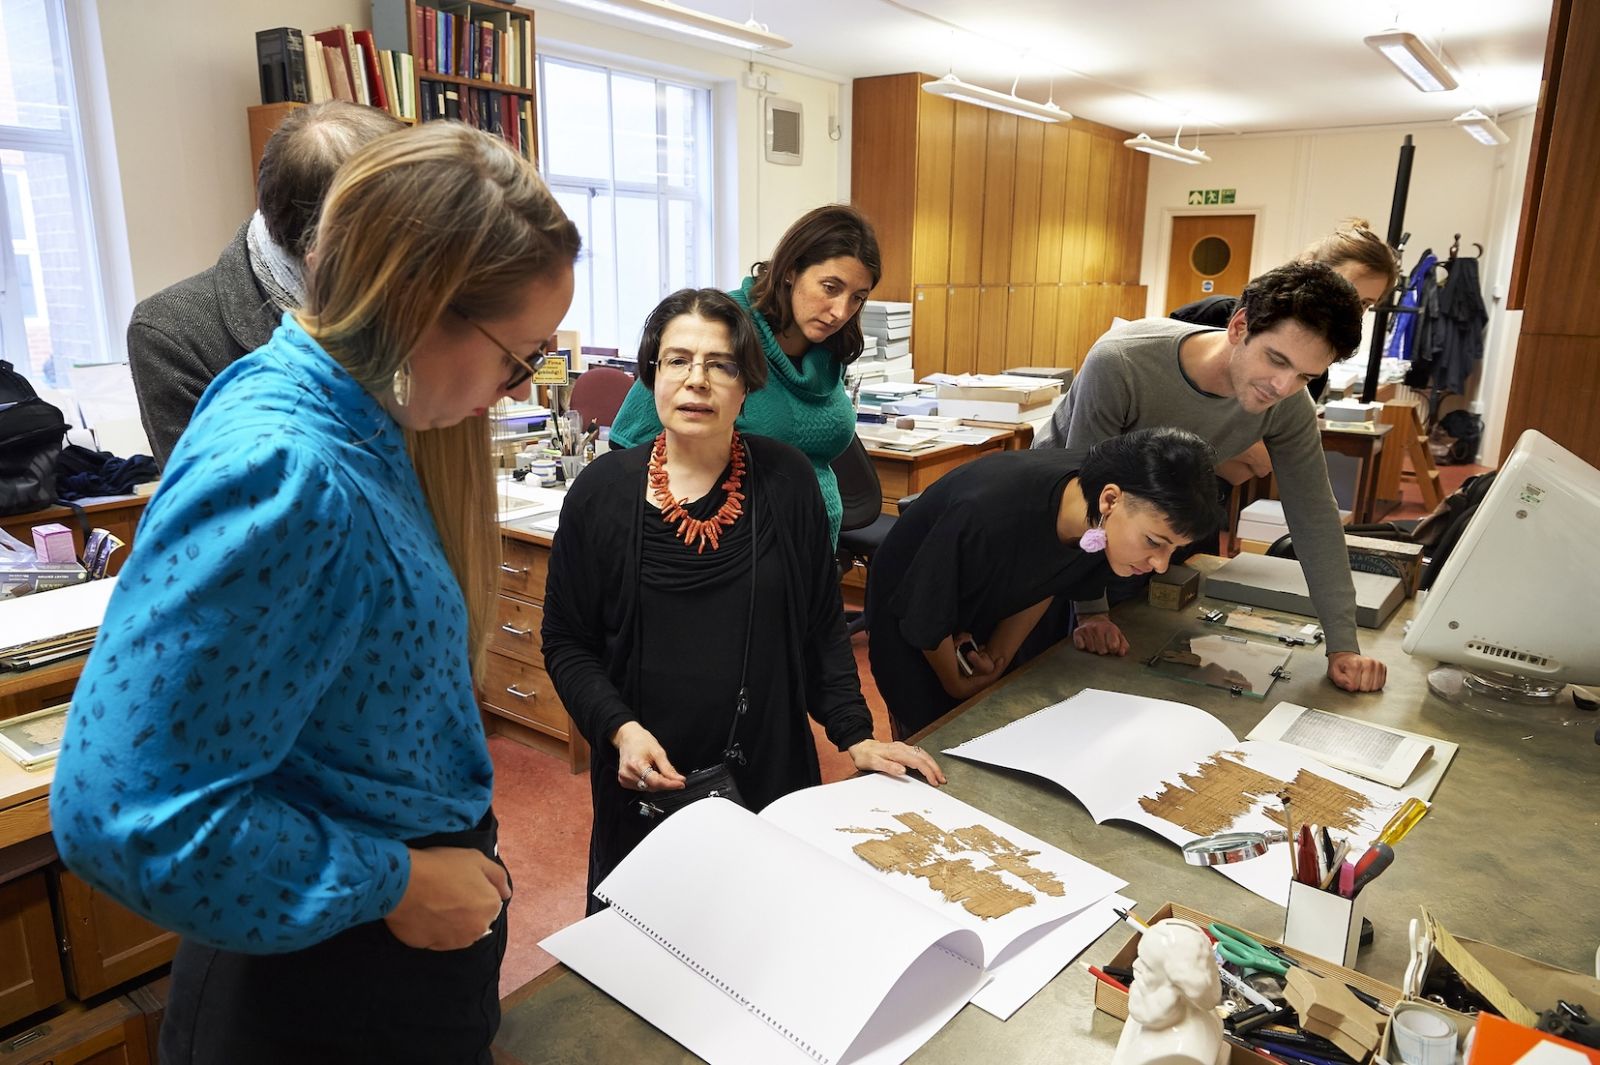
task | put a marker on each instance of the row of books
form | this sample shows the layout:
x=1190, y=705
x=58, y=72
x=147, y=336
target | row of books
x=338, y=63
x=486, y=44
x=504, y=114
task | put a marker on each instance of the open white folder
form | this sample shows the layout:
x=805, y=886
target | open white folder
x=770, y=939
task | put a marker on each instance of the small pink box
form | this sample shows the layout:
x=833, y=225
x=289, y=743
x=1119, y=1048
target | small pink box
x=53, y=543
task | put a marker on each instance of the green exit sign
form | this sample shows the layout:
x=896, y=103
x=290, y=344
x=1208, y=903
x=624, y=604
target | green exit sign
x=1210, y=197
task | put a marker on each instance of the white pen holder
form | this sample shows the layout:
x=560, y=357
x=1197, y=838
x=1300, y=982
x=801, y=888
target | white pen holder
x=1324, y=923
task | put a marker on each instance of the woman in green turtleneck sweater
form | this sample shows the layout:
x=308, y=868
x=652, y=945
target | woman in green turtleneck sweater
x=806, y=304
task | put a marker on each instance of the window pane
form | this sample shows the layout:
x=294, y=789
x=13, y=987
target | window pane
x=680, y=245
x=679, y=136
x=30, y=87
x=633, y=125
x=580, y=314
x=577, y=127
x=47, y=244
x=605, y=272
x=639, y=272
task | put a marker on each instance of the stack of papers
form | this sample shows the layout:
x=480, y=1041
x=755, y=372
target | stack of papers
x=45, y=627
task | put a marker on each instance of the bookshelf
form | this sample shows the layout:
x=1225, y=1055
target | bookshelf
x=474, y=60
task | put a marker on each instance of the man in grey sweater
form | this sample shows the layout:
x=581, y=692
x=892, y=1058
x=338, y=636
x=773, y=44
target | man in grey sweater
x=183, y=336
x=1233, y=388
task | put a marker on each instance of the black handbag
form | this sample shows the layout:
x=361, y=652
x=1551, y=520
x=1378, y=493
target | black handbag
x=716, y=781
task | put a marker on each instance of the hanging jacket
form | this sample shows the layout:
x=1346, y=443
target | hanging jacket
x=1403, y=340
x=1457, y=340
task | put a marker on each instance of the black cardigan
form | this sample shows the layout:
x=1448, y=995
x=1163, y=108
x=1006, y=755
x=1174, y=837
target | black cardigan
x=591, y=594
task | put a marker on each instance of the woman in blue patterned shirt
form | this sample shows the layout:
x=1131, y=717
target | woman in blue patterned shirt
x=275, y=748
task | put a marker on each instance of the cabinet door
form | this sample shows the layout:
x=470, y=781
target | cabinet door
x=961, y=331
x=1025, y=204
x=993, y=303
x=105, y=944
x=928, y=329
x=1052, y=203
x=966, y=194
x=930, y=231
x=1094, y=218
x=1075, y=205
x=1044, y=346
x=999, y=185
x=30, y=966
x=1019, y=326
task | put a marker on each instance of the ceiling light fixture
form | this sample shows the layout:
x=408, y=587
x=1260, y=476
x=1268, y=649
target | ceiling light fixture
x=1418, y=62
x=664, y=15
x=1481, y=128
x=1174, y=151
x=954, y=88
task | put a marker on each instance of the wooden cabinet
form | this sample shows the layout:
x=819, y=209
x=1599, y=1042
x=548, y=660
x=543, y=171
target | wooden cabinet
x=517, y=697
x=998, y=214
x=110, y=1034
x=102, y=943
x=30, y=969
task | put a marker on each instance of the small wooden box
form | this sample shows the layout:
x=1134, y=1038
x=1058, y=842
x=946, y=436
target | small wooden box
x=1175, y=589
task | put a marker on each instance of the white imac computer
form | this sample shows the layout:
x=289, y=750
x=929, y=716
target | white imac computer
x=1516, y=607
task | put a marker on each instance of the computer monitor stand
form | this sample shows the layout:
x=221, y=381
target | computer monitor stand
x=1506, y=695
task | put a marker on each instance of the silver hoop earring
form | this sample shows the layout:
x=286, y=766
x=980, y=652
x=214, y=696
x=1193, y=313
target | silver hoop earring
x=400, y=385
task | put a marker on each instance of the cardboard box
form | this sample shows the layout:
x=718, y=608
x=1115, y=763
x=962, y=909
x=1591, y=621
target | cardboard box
x=1263, y=520
x=1002, y=388
x=1109, y=1000
x=1279, y=584
x=1175, y=589
x=1350, y=410
x=1405, y=556
x=1003, y=412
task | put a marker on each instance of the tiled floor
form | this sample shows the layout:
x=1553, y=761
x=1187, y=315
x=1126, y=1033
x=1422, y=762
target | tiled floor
x=544, y=811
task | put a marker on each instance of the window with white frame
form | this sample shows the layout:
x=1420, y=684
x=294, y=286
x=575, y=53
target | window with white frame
x=628, y=156
x=52, y=314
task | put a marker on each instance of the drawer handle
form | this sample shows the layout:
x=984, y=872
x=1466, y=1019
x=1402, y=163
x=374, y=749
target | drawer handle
x=512, y=690
x=513, y=571
x=513, y=630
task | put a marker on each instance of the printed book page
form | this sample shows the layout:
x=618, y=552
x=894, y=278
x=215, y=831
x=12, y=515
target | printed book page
x=758, y=923
x=1409, y=761
x=1180, y=772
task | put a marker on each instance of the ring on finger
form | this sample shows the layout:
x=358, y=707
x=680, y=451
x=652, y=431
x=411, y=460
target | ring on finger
x=642, y=785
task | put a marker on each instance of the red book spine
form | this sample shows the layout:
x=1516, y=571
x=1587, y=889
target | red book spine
x=428, y=40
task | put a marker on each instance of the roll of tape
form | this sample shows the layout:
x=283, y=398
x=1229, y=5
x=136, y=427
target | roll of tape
x=1422, y=1036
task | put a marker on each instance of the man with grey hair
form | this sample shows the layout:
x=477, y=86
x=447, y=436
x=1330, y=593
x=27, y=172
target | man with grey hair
x=183, y=336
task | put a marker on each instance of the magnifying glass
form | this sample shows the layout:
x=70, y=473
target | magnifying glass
x=1225, y=848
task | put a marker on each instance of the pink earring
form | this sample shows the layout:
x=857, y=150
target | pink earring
x=1093, y=540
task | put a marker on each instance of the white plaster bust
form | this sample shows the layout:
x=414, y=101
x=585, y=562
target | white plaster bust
x=1172, y=1005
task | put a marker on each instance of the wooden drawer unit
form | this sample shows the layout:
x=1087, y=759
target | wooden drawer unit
x=30, y=968
x=103, y=943
x=522, y=569
x=111, y=1034
x=516, y=630
x=517, y=699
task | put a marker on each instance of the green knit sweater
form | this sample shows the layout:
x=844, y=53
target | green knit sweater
x=803, y=404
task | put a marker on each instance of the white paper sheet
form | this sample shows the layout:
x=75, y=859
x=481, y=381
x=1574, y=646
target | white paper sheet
x=43, y=615
x=1037, y=956
x=767, y=924
x=1110, y=749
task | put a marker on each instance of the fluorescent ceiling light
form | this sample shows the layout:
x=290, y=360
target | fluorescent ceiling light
x=1481, y=128
x=1174, y=151
x=955, y=89
x=664, y=15
x=1413, y=59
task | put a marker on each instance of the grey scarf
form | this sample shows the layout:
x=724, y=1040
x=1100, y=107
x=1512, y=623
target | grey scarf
x=279, y=273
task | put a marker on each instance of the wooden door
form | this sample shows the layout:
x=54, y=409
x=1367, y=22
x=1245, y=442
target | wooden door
x=105, y=944
x=1210, y=256
x=30, y=967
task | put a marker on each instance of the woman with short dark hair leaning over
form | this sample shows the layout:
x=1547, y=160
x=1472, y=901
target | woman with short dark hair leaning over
x=690, y=575
x=805, y=303
x=275, y=747
x=970, y=567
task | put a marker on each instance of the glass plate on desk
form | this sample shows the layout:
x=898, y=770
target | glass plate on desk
x=1295, y=632
x=1218, y=660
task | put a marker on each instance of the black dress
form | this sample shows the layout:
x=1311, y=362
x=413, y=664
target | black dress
x=975, y=548
x=640, y=627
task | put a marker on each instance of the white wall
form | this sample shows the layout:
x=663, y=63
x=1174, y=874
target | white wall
x=180, y=74
x=1300, y=185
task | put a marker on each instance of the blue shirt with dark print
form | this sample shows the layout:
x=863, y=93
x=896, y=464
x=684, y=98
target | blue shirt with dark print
x=281, y=692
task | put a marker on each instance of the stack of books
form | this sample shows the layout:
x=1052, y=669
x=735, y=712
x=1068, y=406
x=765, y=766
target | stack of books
x=886, y=328
x=338, y=63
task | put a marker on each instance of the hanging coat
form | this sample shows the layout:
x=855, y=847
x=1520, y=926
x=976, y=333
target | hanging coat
x=1457, y=339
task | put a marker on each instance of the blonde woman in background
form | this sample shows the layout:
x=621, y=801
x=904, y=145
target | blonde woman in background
x=275, y=748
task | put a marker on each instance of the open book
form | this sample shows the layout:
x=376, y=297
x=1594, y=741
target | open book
x=1182, y=774
x=846, y=923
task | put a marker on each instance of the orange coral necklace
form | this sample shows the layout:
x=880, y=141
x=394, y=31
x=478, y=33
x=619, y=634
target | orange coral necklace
x=707, y=531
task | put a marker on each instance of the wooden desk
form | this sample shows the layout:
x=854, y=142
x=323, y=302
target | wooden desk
x=119, y=515
x=1365, y=444
x=1488, y=862
x=905, y=473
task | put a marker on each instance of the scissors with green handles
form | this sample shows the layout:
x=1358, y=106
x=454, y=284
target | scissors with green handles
x=1239, y=949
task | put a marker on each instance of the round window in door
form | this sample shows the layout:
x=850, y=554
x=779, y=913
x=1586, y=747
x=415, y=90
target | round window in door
x=1210, y=256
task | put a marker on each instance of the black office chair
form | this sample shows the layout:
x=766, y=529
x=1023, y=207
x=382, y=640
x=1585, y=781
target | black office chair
x=864, y=525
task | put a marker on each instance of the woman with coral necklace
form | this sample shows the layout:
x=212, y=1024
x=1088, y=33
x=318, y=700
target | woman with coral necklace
x=693, y=574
